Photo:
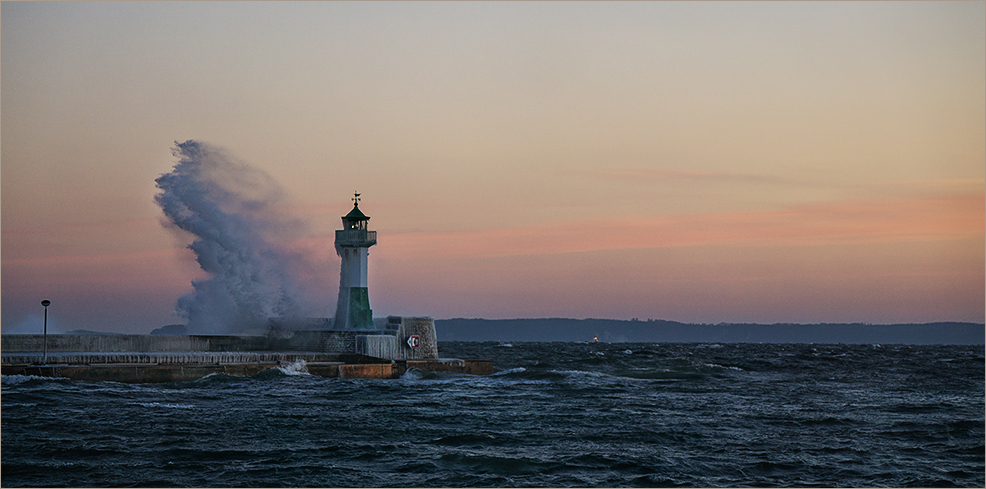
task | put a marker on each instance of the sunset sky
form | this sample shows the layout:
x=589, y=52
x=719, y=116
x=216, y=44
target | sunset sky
x=699, y=162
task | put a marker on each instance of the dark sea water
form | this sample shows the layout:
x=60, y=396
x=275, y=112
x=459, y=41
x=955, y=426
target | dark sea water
x=555, y=414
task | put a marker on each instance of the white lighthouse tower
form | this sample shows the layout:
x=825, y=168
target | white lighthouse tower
x=353, y=242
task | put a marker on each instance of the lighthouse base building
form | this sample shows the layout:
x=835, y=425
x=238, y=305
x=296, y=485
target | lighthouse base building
x=393, y=337
x=353, y=329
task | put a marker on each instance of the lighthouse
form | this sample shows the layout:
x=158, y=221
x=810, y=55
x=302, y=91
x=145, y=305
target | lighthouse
x=353, y=243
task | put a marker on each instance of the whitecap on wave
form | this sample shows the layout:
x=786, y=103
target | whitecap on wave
x=580, y=373
x=20, y=379
x=716, y=365
x=415, y=373
x=213, y=376
x=162, y=405
x=296, y=368
x=510, y=371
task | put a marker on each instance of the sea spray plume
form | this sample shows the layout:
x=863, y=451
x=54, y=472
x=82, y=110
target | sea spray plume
x=231, y=210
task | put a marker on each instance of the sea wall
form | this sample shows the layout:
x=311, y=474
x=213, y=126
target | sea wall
x=379, y=346
x=320, y=341
x=11, y=343
x=390, y=343
x=399, y=345
x=427, y=339
x=326, y=340
x=174, y=358
x=190, y=369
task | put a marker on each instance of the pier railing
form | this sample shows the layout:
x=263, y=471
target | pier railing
x=356, y=238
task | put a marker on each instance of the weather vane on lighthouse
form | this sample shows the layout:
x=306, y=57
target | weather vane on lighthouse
x=356, y=199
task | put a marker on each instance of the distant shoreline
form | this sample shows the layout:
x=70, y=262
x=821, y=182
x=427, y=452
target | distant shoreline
x=660, y=331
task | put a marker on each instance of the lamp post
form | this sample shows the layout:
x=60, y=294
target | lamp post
x=46, y=303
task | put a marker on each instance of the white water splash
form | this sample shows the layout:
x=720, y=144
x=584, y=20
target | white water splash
x=240, y=232
x=297, y=368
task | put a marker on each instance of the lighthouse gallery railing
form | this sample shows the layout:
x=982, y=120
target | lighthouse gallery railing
x=356, y=237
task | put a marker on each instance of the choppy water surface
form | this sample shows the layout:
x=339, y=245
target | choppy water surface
x=556, y=414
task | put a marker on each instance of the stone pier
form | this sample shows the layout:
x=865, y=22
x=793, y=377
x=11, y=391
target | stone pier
x=401, y=344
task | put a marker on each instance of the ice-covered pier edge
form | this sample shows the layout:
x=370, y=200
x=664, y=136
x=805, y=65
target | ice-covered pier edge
x=394, y=346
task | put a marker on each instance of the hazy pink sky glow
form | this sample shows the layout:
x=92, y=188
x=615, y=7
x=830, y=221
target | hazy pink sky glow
x=700, y=162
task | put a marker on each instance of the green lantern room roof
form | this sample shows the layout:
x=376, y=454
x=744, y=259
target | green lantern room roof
x=356, y=214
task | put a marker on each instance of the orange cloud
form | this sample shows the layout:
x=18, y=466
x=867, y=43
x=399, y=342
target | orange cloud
x=835, y=222
x=849, y=221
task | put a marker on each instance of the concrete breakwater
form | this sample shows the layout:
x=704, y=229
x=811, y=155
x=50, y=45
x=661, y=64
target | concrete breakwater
x=149, y=371
x=322, y=341
x=403, y=344
x=400, y=338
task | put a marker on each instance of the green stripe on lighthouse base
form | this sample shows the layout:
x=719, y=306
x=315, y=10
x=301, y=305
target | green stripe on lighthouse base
x=360, y=315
